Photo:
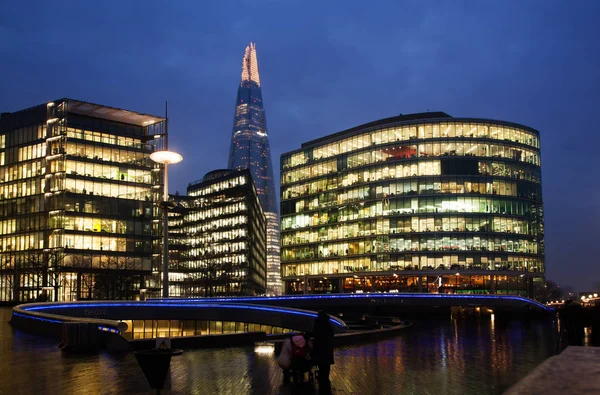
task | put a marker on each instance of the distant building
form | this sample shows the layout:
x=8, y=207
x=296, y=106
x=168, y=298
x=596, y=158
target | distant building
x=76, y=202
x=421, y=202
x=250, y=150
x=217, y=238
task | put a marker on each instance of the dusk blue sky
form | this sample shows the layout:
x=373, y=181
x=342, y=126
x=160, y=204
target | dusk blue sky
x=330, y=65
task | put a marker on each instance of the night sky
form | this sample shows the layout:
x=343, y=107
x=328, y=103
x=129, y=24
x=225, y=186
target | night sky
x=328, y=66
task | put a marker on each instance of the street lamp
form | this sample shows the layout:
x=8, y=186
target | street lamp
x=166, y=158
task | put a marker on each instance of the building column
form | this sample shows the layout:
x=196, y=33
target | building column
x=16, y=283
x=305, y=285
x=420, y=284
x=78, y=285
x=373, y=284
x=493, y=285
x=341, y=285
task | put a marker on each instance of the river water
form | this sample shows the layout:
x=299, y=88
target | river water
x=441, y=356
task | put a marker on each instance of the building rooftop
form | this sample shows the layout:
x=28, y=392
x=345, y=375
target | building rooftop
x=89, y=110
x=111, y=113
x=397, y=118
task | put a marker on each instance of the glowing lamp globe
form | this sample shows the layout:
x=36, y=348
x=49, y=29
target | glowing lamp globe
x=166, y=157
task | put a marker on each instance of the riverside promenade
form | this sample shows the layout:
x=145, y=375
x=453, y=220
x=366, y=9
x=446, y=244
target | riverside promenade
x=574, y=371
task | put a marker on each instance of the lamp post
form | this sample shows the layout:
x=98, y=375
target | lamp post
x=166, y=158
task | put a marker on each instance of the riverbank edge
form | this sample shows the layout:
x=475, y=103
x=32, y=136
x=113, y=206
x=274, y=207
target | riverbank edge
x=574, y=371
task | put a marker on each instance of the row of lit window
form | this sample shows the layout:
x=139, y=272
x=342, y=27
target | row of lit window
x=214, y=236
x=218, y=186
x=329, y=167
x=105, y=138
x=103, y=206
x=23, y=223
x=34, y=151
x=425, y=168
x=106, y=171
x=205, y=249
x=215, y=222
x=15, y=156
x=212, y=272
x=193, y=259
x=204, y=208
x=21, y=188
x=22, y=170
x=445, y=262
x=387, y=226
x=98, y=243
x=441, y=149
x=400, y=206
x=108, y=154
x=502, y=188
x=463, y=284
x=413, y=132
x=400, y=244
x=29, y=241
x=100, y=225
x=99, y=261
x=106, y=189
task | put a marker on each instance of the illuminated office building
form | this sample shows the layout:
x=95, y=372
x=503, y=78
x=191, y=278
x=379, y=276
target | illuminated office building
x=76, y=202
x=217, y=238
x=250, y=150
x=422, y=202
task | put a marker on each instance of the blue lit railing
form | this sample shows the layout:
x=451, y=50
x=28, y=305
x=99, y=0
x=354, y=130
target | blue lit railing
x=283, y=310
x=30, y=312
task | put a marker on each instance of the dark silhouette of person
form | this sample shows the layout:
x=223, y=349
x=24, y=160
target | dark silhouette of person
x=323, y=350
x=572, y=320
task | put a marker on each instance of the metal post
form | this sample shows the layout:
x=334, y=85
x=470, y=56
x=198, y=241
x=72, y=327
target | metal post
x=166, y=233
x=165, y=210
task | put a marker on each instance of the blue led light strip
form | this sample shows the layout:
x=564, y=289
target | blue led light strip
x=37, y=318
x=355, y=296
x=108, y=329
x=182, y=305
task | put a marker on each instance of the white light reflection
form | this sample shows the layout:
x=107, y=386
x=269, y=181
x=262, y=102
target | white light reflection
x=264, y=348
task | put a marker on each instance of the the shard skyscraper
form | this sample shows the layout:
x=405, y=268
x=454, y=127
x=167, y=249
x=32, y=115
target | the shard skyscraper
x=250, y=150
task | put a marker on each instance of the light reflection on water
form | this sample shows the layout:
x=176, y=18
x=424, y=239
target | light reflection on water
x=446, y=356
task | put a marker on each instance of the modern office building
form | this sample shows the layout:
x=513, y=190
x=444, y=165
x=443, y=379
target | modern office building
x=76, y=201
x=217, y=238
x=250, y=150
x=421, y=202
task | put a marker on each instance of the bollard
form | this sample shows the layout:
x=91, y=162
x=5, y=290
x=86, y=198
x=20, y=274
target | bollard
x=155, y=365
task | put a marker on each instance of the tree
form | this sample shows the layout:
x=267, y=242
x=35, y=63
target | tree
x=116, y=278
x=43, y=270
x=54, y=260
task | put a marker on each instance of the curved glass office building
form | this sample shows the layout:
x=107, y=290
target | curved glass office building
x=421, y=202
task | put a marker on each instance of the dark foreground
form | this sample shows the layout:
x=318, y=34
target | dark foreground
x=442, y=356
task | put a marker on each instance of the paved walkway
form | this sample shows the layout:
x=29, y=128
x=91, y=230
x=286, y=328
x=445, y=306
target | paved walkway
x=574, y=371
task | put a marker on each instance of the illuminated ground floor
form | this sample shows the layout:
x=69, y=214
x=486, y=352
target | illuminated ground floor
x=50, y=286
x=452, y=283
x=149, y=329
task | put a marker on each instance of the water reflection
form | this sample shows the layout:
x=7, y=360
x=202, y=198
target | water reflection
x=449, y=356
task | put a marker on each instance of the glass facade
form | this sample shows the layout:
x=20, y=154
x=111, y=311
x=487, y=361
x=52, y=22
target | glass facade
x=250, y=150
x=217, y=237
x=76, y=202
x=150, y=329
x=423, y=202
